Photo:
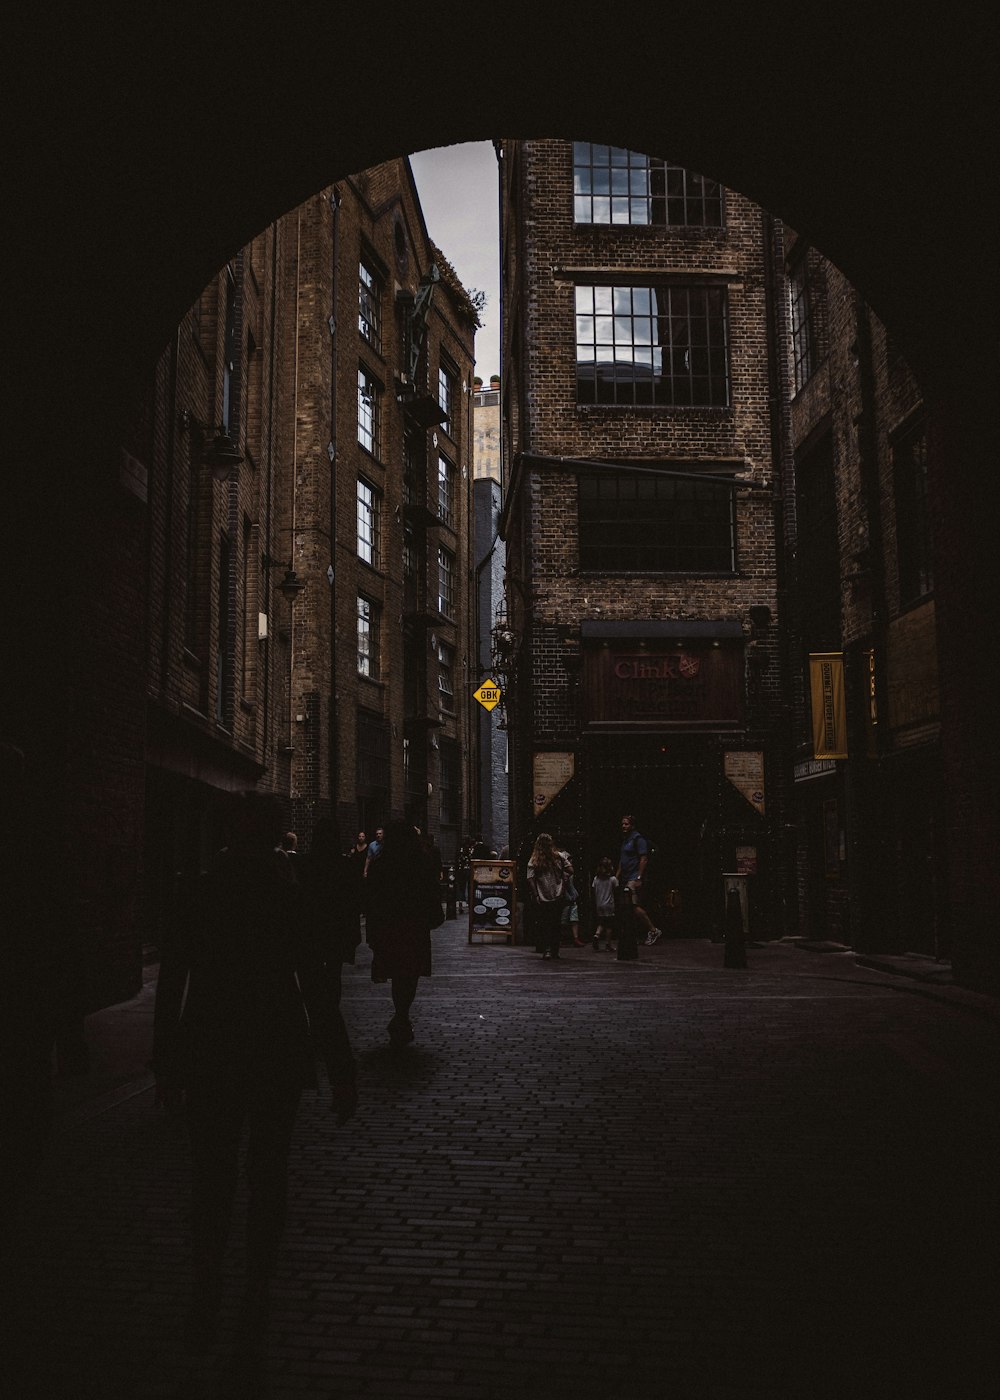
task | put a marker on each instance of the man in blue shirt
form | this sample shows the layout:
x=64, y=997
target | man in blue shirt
x=374, y=848
x=631, y=868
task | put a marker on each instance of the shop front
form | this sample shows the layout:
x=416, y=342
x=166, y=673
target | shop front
x=664, y=738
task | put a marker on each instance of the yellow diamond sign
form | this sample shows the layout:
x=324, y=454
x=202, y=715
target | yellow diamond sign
x=488, y=694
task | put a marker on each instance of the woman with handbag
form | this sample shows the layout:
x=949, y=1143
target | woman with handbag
x=549, y=874
x=404, y=904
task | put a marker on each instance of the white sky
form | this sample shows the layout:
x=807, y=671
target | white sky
x=458, y=188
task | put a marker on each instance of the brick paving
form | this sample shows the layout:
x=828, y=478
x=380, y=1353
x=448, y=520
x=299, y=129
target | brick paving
x=589, y=1178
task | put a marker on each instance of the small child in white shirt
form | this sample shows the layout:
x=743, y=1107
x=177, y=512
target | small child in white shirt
x=604, y=886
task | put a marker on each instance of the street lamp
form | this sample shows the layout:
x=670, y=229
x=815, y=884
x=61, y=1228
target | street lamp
x=222, y=455
x=291, y=585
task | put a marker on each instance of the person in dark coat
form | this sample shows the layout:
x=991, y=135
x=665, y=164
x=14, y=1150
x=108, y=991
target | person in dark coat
x=402, y=893
x=238, y=1047
x=330, y=887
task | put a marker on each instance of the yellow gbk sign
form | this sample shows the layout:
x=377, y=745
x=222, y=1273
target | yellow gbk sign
x=488, y=694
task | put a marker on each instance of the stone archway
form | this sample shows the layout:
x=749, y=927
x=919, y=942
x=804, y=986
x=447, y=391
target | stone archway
x=147, y=148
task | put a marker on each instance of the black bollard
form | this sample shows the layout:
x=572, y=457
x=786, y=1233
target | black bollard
x=628, y=938
x=735, y=951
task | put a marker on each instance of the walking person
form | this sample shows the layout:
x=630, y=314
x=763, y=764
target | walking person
x=570, y=917
x=462, y=872
x=241, y=1004
x=330, y=906
x=403, y=894
x=374, y=848
x=548, y=872
x=604, y=888
x=631, y=869
x=359, y=851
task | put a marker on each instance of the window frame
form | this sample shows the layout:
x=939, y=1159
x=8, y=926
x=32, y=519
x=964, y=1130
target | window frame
x=446, y=582
x=370, y=421
x=636, y=316
x=447, y=492
x=446, y=654
x=369, y=637
x=601, y=529
x=447, y=394
x=370, y=298
x=646, y=184
x=801, y=323
x=374, y=518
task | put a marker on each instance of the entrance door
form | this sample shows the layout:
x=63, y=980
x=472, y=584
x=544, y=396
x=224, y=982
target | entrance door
x=673, y=789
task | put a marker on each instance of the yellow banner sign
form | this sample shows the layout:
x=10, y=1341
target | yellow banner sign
x=488, y=695
x=829, y=708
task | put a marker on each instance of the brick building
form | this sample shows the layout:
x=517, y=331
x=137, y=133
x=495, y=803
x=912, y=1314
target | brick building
x=870, y=814
x=309, y=524
x=492, y=807
x=641, y=442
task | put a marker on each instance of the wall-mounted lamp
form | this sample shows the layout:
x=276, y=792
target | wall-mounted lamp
x=291, y=585
x=221, y=454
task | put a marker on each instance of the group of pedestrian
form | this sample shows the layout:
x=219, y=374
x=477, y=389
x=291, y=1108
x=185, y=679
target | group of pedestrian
x=249, y=989
x=618, y=896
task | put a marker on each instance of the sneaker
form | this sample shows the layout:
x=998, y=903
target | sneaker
x=653, y=936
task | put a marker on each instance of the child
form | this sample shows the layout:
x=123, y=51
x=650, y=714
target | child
x=604, y=887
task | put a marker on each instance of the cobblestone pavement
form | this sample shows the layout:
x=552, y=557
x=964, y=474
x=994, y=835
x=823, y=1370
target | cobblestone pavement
x=587, y=1178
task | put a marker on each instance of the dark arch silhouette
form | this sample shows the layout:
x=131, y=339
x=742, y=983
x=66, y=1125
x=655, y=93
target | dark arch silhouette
x=148, y=145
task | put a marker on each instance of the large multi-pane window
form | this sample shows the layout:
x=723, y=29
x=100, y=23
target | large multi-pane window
x=369, y=411
x=446, y=675
x=665, y=345
x=612, y=185
x=368, y=523
x=913, y=516
x=447, y=492
x=368, y=637
x=447, y=381
x=370, y=305
x=633, y=522
x=802, y=323
x=446, y=581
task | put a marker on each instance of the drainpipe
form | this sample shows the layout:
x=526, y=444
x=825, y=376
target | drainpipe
x=782, y=479
x=333, y=721
x=270, y=480
x=290, y=739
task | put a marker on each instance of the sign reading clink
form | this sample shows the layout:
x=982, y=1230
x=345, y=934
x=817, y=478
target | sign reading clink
x=657, y=686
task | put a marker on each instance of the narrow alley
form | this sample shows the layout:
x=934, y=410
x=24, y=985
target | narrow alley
x=587, y=1178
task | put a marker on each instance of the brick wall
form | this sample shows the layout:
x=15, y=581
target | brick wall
x=545, y=256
